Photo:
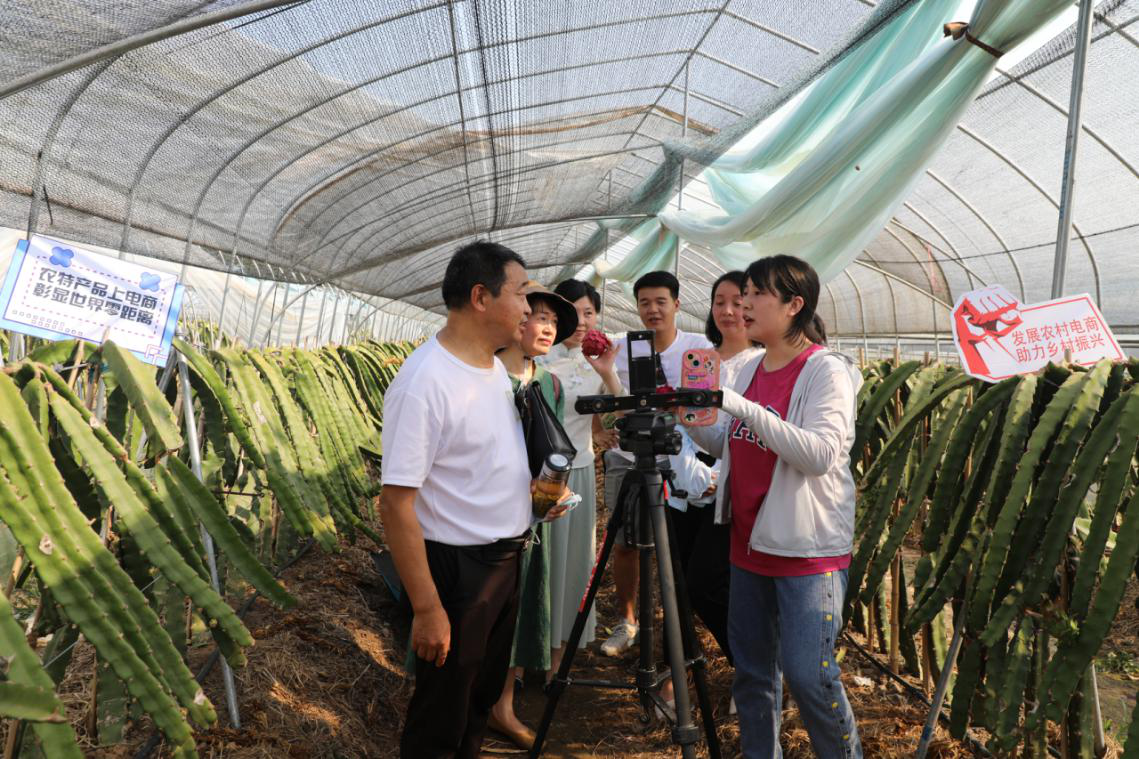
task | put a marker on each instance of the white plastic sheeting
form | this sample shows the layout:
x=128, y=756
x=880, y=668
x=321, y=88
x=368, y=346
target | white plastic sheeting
x=360, y=143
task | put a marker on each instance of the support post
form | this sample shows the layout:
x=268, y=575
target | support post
x=605, y=255
x=1100, y=744
x=1075, y=123
x=256, y=309
x=942, y=686
x=272, y=313
x=680, y=189
x=207, y=541
x=347, y=319
x=284, y=307
x=332, y=318
x=301, y=319
x=896, y=587
x=225, y=299
x=320, y=318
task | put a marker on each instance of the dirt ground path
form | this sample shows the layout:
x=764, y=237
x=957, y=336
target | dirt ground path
x=326, y=680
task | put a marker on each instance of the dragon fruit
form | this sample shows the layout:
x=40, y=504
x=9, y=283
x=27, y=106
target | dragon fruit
x=595, y=343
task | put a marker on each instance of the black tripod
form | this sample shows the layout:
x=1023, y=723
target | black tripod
x=642, y=497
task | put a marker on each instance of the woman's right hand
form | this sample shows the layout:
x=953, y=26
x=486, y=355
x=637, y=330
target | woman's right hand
x=604, y=363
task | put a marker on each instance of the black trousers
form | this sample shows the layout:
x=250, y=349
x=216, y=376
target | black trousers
x=701, y=550
x=448, y=711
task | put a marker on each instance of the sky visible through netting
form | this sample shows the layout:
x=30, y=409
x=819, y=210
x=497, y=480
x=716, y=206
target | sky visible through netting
x=356, y=145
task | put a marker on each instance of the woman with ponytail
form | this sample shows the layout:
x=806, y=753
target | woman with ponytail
x=787, y=491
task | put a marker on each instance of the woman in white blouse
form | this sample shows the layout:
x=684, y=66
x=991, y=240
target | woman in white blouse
x=574, y=537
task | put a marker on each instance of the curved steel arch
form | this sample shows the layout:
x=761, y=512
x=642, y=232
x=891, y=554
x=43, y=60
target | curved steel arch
x=49, y=141
x=1012, y=164
x=683, y=68
x=953, y=255
x=184, y=118
x=588, y=27
x=439, y=59
x=905, y=282
x=704, y=263
x=936, y=261
x=313, y=189
x=422, y=198
x=984, y=221
x=449, y=191
x=427, y=287
x=890, y=287
x=449, y=235
x=329, y=280
x=150, y=36
x=349, y=90
x=834, y=308
x=1064, y=112
x=435, y=220
x=970, y=275
x=367, y=156
x=427, y=157
x=918, y=261
x=861, y=307
x=379, y=309
x=914, y=255
x=377, y=260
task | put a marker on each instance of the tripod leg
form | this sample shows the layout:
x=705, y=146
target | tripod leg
x=646, y=679
x=693, y=650
x=561, y=679
x=685, y=732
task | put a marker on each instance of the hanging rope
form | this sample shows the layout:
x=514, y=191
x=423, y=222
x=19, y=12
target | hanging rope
x=959, y=29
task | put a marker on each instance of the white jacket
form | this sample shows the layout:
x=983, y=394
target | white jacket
x=809, y=509
x=692, y=475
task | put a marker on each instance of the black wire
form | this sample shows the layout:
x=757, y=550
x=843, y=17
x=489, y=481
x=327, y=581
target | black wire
x=920, y=696
x=992, y=254
x=913, y=691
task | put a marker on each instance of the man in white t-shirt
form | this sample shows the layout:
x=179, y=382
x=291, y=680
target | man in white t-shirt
x=456, y=501
x=658, y=302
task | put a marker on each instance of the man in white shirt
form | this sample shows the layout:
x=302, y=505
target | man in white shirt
x=456, y=501
x=658, y=303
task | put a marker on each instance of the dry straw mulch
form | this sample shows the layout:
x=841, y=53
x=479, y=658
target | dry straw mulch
x=325, y=680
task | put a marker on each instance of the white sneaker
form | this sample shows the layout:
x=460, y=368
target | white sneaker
x=623, y=638
x=668, y=713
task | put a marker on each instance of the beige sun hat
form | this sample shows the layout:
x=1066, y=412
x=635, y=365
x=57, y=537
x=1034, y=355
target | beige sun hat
x=566, y=311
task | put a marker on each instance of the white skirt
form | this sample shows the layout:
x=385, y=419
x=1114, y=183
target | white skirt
x=573, y=549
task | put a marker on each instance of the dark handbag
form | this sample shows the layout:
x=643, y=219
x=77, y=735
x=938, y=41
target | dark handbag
x=540, y=426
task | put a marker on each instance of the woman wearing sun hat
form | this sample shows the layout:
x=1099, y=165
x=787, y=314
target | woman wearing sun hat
x=552, y=319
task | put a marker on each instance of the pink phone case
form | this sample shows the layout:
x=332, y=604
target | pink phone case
x=700, y=370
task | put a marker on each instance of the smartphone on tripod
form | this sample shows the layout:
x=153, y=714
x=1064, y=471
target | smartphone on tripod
x=647, y=432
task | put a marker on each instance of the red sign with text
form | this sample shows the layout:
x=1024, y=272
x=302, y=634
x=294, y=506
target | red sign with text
x=997, y=337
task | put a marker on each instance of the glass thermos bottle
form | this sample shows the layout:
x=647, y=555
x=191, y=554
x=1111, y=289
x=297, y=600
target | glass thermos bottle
x=551, y=483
